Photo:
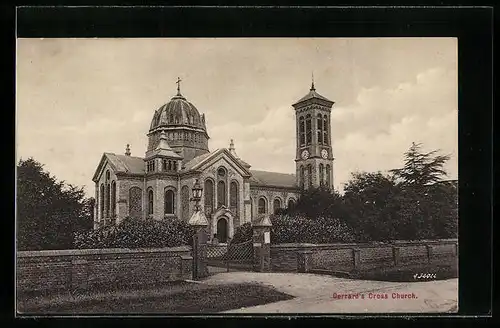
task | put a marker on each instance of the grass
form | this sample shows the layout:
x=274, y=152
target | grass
x=175, y=298
x=446, y=269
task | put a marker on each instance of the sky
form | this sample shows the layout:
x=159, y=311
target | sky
x=79, y=98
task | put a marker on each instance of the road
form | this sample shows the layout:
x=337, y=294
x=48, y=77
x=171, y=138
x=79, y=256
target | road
x=326, y=294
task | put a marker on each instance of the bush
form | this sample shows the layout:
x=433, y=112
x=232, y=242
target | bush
x=299, y=229
x=136, y=233
x=243, y=233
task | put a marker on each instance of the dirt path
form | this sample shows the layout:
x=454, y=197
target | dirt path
x=315, y=294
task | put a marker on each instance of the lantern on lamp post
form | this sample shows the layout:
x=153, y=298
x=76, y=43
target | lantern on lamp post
x=197, y=190
x=198, y=218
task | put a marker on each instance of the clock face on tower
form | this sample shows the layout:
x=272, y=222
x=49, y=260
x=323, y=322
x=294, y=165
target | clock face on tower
x=305, y=154
x=324, y=153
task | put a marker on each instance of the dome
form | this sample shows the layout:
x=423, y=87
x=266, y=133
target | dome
x=178, y=111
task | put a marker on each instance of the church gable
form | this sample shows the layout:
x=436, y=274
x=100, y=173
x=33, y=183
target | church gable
x=104, y=164
x=221, y=157
x=119, y=164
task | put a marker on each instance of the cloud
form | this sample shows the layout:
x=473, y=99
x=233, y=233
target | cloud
x=374, y=133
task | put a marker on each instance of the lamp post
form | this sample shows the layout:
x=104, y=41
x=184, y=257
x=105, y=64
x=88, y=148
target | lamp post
x=199, y=222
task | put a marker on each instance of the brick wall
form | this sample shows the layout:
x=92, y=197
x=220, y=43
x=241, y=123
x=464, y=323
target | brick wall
x=348, y=256
x=85, y=269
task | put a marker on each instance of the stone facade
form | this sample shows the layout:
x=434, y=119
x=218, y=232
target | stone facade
x=159, y=185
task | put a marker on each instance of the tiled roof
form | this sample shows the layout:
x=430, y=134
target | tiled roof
x=265, y=178
x=126, y=164
x=163, y=152
x=313, y=94
x=195, y=161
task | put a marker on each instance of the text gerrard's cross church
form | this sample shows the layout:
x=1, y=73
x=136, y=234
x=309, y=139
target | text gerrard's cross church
x=158, y=185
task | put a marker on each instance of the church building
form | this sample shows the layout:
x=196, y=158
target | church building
x=158, y=185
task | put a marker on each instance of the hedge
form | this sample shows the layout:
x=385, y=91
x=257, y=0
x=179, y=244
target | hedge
x=136, y=233
x=299, y=229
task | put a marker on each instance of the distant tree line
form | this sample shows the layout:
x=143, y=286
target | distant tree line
x=412, y=202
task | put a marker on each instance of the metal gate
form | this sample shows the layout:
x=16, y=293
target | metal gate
x=231, y=256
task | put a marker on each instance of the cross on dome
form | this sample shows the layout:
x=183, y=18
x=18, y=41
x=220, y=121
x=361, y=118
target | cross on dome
x=178, y=86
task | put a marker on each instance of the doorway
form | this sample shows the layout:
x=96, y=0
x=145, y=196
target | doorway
x=222, y=230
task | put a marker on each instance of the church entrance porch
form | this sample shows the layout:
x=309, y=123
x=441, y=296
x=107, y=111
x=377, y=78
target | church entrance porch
x=221, y=226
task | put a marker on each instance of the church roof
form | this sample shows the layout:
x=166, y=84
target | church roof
x=120, y=164
x=126, y=164
x=198, y=159
x=178, y=112
x=313, y=95
x=275, y=179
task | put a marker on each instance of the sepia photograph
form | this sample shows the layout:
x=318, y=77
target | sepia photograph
x=236, y=176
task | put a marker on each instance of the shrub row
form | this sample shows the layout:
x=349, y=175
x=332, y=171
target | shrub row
x=135, y=233
x=299, y=229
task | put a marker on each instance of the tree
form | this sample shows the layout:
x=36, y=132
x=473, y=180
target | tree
x=429, y=207
x=317, y=202
x=421, y=169
x=371, y=201
x=48, y=211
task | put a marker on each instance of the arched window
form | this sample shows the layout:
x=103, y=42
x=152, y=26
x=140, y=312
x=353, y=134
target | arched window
x=328, y=179
x=113, y=199
x=150, y=202
x=107, y=175
x=108, y=199
x=169, y=202
x=262, y=206
x=221, y=194
x=302, y=176
x=309, y=175
x=291, y=203
x=135, y=202
x=221, y=187
x=185, y=202
x=308, y=129
x=209, y=196
x=321, y=177
x=174, y=166
x=320, y=129
x=101, y=205
x=302, y=131
x=326, y=138
x=276, y=205
x=233, y=197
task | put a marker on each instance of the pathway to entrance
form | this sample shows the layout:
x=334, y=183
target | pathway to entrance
x=315, y=294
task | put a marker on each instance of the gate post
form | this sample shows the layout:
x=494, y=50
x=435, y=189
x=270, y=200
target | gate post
x=199, y=222
x=262, y=244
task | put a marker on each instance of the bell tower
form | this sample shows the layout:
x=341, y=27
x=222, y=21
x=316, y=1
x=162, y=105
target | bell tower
x=314, y=158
